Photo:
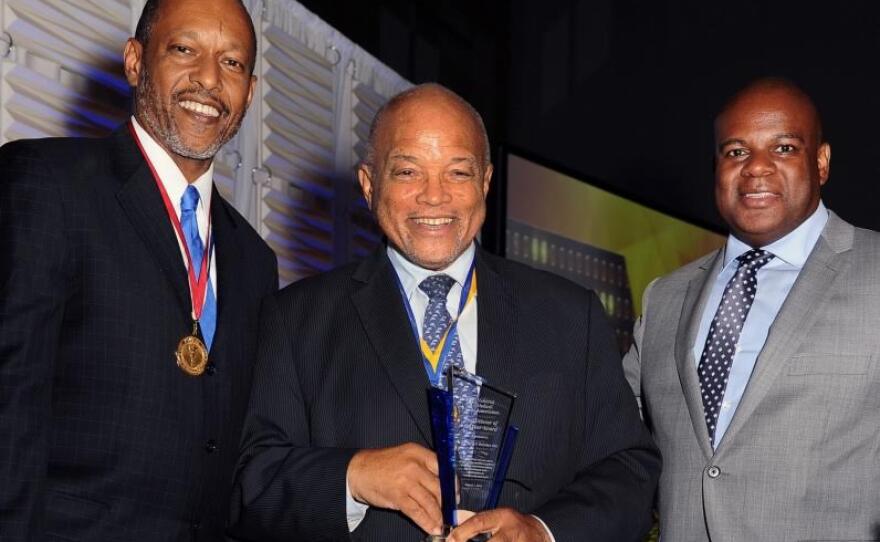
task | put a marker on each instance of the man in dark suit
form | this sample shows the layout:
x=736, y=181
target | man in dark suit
x=111, y=249
x=336, y=441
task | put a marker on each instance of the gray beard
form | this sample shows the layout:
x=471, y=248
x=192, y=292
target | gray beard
x=149, y=106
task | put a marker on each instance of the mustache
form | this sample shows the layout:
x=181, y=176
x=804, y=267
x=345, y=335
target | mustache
x=199, y=94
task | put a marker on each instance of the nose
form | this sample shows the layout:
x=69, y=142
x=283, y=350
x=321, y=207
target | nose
x=758, y=165
x=207, y=73
x=434, y=191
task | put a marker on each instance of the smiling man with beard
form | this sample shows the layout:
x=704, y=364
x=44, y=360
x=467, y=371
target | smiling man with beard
x=337, y=440
x=757, y=364
x=129, y=300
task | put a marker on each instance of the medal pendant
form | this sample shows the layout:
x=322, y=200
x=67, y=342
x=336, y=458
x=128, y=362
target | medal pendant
x=192, y=356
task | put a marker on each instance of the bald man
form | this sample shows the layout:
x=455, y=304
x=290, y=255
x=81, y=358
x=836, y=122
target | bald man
x=337, y=439
x=756, y=365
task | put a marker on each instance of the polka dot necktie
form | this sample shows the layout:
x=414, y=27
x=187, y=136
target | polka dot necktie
x=724, y=331
x=434, y=326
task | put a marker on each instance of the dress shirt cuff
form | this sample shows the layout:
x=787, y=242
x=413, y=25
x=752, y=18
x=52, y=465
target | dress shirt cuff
x=354, y=511
x=541, y=521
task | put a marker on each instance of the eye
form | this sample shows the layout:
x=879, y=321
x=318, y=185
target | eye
x=786, y=148
x=405, y=173
x=462, y=174
x=234, y=64
x=736, y=153
x=182, y=49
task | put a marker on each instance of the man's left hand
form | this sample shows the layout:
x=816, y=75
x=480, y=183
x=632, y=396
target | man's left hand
x=504, y=524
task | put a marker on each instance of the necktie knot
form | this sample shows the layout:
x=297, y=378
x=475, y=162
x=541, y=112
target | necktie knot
x=754, y=259
x=437, y=286
x=189, y=200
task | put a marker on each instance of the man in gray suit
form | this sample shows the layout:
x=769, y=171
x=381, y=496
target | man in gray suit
x=756, y=364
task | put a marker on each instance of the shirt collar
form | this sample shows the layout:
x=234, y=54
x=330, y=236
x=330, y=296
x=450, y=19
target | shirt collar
x=794, y=248
x=411, y=275
x=170, y=176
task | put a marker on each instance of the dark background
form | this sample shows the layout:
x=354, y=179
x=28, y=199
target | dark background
x=624, y=92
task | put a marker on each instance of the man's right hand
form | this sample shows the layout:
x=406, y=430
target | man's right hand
x=399, y=478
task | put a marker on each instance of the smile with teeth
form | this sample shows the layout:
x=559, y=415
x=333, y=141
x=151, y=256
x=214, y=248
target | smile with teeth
x=433, y=221
x=201, y=109
x=759, y=195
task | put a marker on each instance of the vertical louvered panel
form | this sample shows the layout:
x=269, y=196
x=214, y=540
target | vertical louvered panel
x=64, y=74
x=298, y=147
x=365, y=233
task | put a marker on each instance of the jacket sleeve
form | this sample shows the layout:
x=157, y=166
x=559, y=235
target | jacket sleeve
x=611, y=496
x=35, y=280
x=285, y=489
x=632, y=361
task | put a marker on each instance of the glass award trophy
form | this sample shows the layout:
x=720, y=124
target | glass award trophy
x=473, y=447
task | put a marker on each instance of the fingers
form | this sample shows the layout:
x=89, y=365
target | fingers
x=400, y=478
x=484, y=522
x=504, y=525
x=423, y=507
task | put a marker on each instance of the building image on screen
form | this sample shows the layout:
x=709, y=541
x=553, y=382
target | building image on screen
x=597, y=239
x=600, y=270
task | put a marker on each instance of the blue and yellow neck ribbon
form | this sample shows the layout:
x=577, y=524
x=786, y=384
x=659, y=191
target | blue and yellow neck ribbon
x=436, y=360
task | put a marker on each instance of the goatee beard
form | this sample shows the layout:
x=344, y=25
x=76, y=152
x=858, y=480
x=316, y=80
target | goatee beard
x=158, y=120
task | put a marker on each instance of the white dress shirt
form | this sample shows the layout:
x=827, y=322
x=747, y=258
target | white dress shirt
x=411, y=276
x=175, y=184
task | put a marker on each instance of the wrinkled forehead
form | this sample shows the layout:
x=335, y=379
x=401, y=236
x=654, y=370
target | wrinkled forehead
x=227, y=18
x=436, y=125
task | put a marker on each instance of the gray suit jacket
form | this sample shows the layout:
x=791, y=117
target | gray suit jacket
x=801, y=458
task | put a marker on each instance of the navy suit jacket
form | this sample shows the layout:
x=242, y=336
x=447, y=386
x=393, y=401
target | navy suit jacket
x=339, y=370
x=103, y=437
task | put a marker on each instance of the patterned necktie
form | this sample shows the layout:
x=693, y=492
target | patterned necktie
x=724, y=331
x=188, y=203
x=434, y=326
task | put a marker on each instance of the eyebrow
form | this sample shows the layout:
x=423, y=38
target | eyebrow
x=189, y=34
x=407, y=157
x=454, y=160
x=730, y=141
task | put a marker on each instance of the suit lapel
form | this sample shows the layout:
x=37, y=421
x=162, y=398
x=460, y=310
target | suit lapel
x=496, y=325
x=380, y=308
x=142, y=203
x=798, y=312
x=698, y=291
x=228, y=256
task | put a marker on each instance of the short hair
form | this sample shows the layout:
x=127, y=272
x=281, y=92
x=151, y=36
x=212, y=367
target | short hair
x=150, y=14
x=413, y=92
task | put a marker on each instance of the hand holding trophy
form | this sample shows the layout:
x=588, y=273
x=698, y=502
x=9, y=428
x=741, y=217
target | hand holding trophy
x=474, y=444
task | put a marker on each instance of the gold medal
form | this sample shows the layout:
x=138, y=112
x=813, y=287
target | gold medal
x=192, y=356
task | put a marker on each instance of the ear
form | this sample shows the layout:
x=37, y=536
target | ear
x=132, y=57
x=250, y=96
x=823, y=159
x=487, y=179
x=365, y=178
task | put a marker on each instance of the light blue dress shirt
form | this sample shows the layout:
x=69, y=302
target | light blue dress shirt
x=774, y=282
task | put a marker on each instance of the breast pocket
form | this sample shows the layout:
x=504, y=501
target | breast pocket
x=72, y=517
x=829, y=364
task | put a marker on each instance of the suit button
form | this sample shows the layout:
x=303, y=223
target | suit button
x=211, y=369
x=211, y=446
x=196, y=525
x=713, y=472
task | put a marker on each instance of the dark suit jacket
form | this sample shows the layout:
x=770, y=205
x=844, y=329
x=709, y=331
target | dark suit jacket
x=339, y=370
x=103, y=437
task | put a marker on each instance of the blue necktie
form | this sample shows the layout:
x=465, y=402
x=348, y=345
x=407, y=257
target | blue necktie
x=435, y=324
x=189, y=222
x=724, y=331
